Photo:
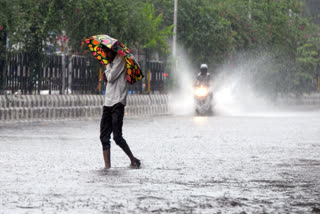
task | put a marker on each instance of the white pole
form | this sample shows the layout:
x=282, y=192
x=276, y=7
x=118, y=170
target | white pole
x=174, y=46
x=249, y=10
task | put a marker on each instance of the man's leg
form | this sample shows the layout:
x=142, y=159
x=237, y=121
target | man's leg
x=107, y=158
x=105, y=132
x=117, y=122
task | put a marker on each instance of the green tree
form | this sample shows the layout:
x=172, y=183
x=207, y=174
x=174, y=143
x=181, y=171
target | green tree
x=134, y=23
x=219, y=31
x=149, y=32
x=31, y=26
x=212, y=31
x=203, y=32
x=5, y=21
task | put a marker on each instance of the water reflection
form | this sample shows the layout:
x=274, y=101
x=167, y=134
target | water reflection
x=200, y=120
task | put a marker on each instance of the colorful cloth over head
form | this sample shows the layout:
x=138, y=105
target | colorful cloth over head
x=96, y=43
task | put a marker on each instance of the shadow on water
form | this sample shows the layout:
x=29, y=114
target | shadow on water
x=115, y=171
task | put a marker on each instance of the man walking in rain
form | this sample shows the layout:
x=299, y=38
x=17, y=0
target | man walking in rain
x=116, y=92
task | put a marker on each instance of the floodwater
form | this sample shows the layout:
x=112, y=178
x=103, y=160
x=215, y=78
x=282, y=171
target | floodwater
x=256, y=163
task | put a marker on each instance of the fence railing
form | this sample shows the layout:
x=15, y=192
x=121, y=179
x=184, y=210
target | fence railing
x=83, y=75
x=61, y=74
x=158, y=77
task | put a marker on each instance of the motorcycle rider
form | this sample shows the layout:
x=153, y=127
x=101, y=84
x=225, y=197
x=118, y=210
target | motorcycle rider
x=203, y=77
x=204, y=80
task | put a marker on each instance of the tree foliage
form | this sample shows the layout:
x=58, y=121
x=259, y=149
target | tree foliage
x=36, y=23
x=36, y=26
x=30, y=26
x=215, y=32
x=132, y=22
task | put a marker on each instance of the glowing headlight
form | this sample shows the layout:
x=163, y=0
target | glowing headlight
x=201, y=91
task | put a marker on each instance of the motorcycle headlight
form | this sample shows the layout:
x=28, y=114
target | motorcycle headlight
x=201, y=92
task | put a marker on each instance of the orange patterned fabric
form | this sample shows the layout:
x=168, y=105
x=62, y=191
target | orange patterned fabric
x=95, y=44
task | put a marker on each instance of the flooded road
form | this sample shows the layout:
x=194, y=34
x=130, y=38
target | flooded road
x=254, y=163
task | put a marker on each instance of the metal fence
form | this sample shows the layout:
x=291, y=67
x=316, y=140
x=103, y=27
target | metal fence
x=158, y=77
x=60, y=74
x=18, y=76
x=83, y=75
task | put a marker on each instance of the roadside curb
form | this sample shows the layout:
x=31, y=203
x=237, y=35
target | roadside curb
x=34, y=107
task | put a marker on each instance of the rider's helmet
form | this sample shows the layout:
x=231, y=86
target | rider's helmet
x=203, y=69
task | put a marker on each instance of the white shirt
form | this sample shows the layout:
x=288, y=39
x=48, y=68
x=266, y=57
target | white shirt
x=116, y=86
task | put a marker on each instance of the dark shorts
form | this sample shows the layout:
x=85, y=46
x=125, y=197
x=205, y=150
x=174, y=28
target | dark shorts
x=111, y=122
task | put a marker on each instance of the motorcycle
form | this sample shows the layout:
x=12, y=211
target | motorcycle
x=203, y=100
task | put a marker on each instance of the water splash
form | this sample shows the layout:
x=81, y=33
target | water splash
x=235, y=88
x=181, y=97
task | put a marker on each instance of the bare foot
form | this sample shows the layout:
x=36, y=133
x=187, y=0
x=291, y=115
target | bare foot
x=135, y=164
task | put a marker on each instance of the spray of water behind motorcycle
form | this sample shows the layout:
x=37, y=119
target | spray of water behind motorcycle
x=181, y=100
x=236, y=88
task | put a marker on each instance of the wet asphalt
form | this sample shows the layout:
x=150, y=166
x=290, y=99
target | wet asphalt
x=251, y=163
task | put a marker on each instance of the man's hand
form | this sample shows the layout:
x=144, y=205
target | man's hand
x=103, y=78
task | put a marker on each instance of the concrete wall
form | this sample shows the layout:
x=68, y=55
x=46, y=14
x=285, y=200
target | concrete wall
x=35, y=107
x=305, y=100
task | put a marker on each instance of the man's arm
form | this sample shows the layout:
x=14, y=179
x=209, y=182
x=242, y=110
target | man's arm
x=105, y=73
x=196, y=81
x=118, y=66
